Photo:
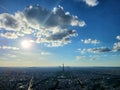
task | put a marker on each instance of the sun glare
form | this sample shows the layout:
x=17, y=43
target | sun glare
x=25, y=44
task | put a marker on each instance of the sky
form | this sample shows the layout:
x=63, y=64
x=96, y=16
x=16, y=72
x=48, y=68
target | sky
x=52, y=32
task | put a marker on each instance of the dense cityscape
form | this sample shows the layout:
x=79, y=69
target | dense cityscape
x=37, y=36
x=60, y=78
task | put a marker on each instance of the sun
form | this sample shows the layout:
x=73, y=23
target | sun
x=25, y=44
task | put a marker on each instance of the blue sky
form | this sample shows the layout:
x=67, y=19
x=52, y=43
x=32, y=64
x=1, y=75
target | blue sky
x=52, y=32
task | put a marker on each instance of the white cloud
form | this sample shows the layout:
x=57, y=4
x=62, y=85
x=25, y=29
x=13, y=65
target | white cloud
x=86, y=57
x=9, y=35
x=90, y=41
x=91, y=3
x=52, y=25
x=58, y=39
x=80, y=57
x=45, y=53
x=9, y=47
x=82, y=51
x=16, y=22
x=57, y=43
x=94, y=50
x=76, y=22
x=93, y=58
x=116, y=47
x=39, y=18
x=28, y=31
x=97, y=50
x=53, y=43
x=9, y=22
x=11, y=55
x=118, y=37
x=19, y=34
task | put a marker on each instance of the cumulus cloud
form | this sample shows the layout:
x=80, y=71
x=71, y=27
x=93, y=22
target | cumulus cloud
x=80, y=57
x=45, y=53
x=9, y=35
x=118, y=37
x=91, y=3
x=46, y=18
x=86, y=57
x=52, y=25
x=58, y=39
x=97, y=50
x=90, y=41
x=94, y=50
x=16, y=22
x=9, y=22
x=116, y=47
x=63, y=35
x=53, y=43
x=9, y=47
x=82, y=51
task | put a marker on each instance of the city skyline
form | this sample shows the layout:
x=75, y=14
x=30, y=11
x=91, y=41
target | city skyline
x=49, y=33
